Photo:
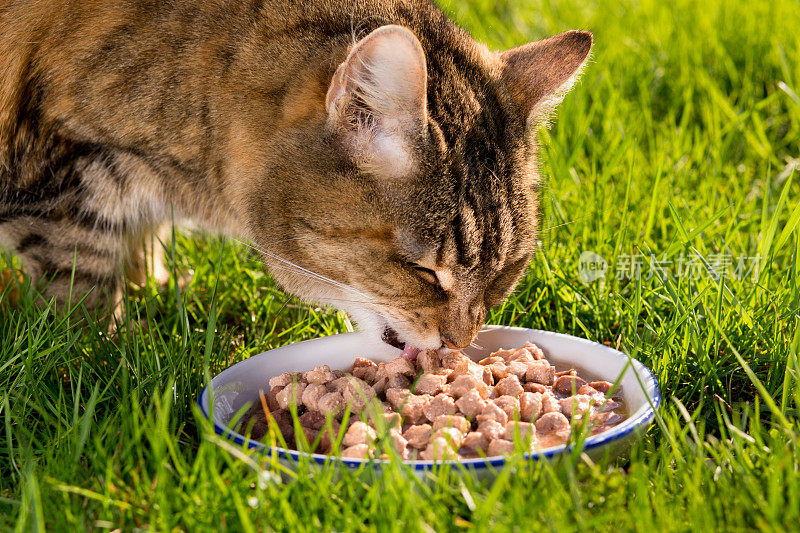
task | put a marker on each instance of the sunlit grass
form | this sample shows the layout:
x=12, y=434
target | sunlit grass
x=680, y=141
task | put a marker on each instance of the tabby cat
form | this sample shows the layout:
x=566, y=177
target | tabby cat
x=381, y=160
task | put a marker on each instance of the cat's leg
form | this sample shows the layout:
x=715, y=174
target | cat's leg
x=72, y=226
x=146, y=256
x=67, y=258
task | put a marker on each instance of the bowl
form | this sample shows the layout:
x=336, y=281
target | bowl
x=239, y=385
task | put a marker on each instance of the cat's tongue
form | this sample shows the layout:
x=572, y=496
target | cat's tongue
x=410, y=351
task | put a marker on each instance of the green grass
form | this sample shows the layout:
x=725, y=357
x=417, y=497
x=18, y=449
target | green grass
x=680, y=141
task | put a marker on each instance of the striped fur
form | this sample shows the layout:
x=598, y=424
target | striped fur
x=115, y=115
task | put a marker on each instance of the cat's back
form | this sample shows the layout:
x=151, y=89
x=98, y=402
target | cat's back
x=143, y=70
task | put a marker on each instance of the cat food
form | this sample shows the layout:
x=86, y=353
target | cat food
x=436, y=407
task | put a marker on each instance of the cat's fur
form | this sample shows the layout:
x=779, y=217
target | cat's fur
x=356, y=143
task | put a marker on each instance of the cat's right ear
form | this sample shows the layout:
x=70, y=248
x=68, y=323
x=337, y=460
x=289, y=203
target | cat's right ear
x=538, y=75
x=377, y=101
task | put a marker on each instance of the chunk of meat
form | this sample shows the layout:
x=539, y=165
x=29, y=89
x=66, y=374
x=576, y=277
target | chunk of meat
x=429, y=384
x=398, y=381
x=380, y=385
x=550, y=403
x=415, y=407
x=401, y=365
x=568, y=384
x=254, y=421
x=282, y=380
x=429, y=361
x=418, y=435
x=388, y=421
x=509, y=386
x=471, y=404
x=453, y=436
x=319, y=375
x=312, y=419
x=509, y=405
x=491, y=359
x=534, y=387
x=552, y=422
x=504, y=354
x=467, y=367
x=332, y=403
x=311, y=395
x=272, y=398
x=493, y=412
x=576, y=405
x=467, y=383
x=359, y=433
x=534, y=350
x=399, y=442
x=315, y=426
x=441, y=404
x=604, y=420
x=357, y=393
x=291, y=394
x=452, y=359
x=530, y=405
x=364, y=369
x=451, y=421
x=499, y=447
x=360, y=362
x=541, y=372
x=519, y=431
x=285, y=424
x=438, y=449
x=588, y=390
x=446, y=372
x=498, y=370
x=337, y=384
x=358, y=451
x=397, y=397
x=474, y=441
x=380, y=416
x=517, y=368
x=520, y=355
x=602, y=386
x=491, y=428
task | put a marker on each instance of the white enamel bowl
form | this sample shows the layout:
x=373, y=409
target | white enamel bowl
x=240, y=384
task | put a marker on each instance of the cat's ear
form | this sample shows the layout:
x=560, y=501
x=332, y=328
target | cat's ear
x=538, y=75
x=377, y=101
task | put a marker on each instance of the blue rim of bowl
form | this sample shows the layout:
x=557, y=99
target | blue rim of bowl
x=641, y=422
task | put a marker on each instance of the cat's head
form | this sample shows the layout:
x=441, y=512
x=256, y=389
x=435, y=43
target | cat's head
x=415, y=209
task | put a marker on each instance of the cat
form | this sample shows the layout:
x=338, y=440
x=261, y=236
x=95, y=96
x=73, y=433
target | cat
x=381, y=160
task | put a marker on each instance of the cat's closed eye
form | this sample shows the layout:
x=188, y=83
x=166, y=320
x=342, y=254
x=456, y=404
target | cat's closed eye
x=426, y=274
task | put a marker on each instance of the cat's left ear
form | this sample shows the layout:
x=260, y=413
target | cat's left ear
x=377, y=101
x=538, y=75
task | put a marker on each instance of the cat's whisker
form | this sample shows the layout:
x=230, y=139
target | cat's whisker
x=304, y=271
x=299, y=269
x=476, y=346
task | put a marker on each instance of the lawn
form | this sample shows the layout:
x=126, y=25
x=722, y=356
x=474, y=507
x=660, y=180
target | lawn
x=676, y=159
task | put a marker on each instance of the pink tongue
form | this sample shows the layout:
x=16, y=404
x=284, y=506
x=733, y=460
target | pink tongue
x=409, y=351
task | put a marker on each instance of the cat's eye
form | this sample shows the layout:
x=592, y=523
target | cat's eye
x=427, y=274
